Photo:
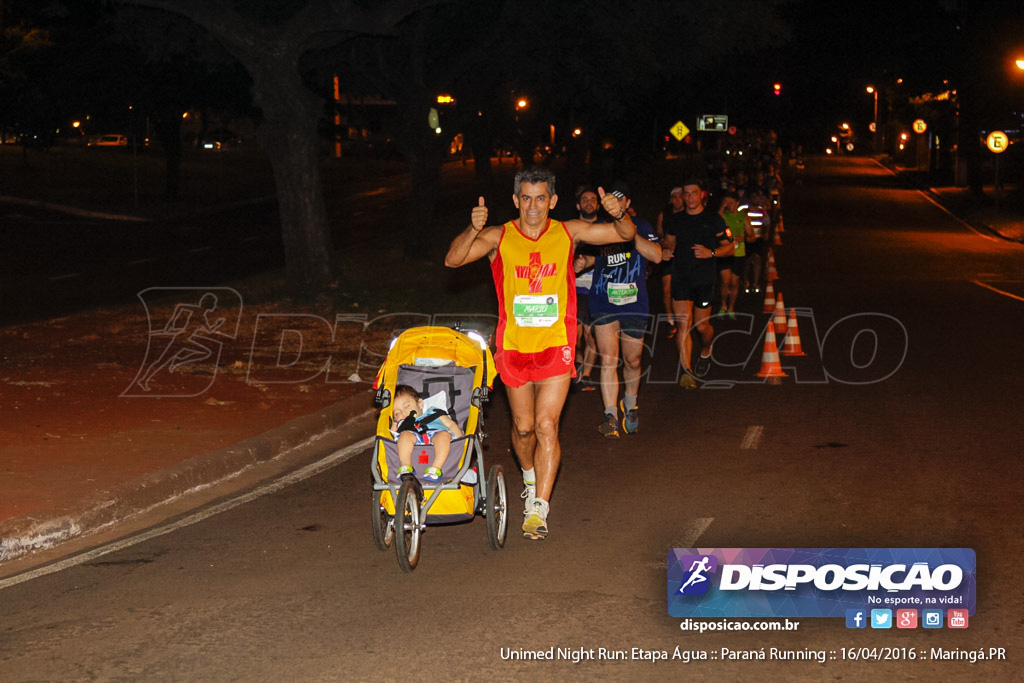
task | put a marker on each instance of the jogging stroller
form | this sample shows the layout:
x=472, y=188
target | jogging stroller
x=432, y=360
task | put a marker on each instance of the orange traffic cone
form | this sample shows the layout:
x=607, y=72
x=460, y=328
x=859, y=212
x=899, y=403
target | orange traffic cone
x=792, y=345
x=781, y=228
x=779, y=320
x=769, y=298
x=772, y=273
x=778, y=239
x=771, y=366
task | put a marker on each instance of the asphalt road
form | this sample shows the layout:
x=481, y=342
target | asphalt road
x=899, y=429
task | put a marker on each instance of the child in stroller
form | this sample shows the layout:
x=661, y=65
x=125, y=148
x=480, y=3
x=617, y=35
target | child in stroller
x=418, y=421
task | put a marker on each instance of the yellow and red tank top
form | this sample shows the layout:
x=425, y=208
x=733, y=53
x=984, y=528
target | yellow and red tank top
x=536, y=289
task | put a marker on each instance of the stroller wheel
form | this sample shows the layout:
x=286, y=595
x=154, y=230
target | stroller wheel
x=408, y=526
x=496, y=508
x=383, y=524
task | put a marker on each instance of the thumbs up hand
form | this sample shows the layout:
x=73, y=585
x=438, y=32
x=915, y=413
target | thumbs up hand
x=478, y=218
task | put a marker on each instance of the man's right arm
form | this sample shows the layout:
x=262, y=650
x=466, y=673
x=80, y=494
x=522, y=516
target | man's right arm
x=475, y=242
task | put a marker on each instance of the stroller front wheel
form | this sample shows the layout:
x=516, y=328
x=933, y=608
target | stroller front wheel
x=496, y=508
x=383, y=524
x=408, y=526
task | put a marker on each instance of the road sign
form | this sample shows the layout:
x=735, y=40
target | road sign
x=997, y=141
x=718, y=123
x=920, y=126
x=679, y=130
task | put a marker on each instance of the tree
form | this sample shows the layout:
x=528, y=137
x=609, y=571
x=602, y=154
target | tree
x=269, y=39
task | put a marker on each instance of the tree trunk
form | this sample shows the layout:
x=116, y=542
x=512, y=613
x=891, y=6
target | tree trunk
x=289, y=136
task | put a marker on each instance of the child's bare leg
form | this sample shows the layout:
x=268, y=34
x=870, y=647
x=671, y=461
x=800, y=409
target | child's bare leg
x=442, y=445
x=406, y=441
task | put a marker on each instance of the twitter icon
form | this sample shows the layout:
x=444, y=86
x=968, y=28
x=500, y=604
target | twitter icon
x=881, y=618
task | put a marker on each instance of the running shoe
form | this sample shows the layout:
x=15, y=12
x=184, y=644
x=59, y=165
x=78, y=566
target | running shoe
x=609, y=429
x=687, y=381
x=587, y=384
x=529, y=493
x=703, y=365
x=630, y=419
x=672, y=331
x=535, y=526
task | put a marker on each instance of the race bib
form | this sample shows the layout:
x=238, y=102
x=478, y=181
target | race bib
x=622, y=293
x=535, y=310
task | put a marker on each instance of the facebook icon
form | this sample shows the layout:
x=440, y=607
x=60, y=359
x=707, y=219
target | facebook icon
x=856, y=618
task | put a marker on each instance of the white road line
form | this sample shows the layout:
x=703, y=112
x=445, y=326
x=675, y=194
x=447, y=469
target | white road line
x=55, y=278
x=959, y=220
x=691, y=534
x=752, y=438
x=997, y=291
x=306, y=472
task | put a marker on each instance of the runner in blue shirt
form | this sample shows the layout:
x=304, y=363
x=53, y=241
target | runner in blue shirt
x=620, y=309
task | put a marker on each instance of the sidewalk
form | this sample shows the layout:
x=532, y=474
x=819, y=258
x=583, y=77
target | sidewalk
x=82, y=448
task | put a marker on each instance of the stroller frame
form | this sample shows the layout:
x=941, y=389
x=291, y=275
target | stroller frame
x=403, y=507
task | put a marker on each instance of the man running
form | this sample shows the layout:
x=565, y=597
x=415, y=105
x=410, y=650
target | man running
x=694, y=242
x=531, y=262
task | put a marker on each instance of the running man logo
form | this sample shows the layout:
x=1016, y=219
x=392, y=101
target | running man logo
x=188, y=339
x=695, y=580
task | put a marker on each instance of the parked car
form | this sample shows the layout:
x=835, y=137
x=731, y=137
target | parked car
x=116, y=140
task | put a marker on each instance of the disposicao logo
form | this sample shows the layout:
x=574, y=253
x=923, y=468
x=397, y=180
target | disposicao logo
x=696, y=581
x=817, y=582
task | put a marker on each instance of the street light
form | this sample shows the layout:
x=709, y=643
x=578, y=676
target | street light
x=874, y=120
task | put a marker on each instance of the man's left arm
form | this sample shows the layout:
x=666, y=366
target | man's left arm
x=621, y=230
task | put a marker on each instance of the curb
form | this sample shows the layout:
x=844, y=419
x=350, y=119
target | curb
x=32, y=532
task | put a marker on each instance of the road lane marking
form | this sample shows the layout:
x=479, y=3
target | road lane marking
x=998, y=291
x=691, y=534
x=55, y=278
x=752, y=438
x=311, y=470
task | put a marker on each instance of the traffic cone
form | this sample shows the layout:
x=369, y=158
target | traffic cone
x=769, y=298
x=782, y=227
x=792, y=347
x=779, y=319
x=771, y=273
x=778, y=239
x=771, y=366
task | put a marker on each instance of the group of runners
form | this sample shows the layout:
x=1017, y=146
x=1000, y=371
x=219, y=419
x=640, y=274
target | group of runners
x=534, y=260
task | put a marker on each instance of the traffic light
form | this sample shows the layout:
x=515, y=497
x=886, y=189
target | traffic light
x=777, y=88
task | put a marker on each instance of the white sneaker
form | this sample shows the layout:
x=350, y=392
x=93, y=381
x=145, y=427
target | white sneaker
x=535, y=526
x=528, y=494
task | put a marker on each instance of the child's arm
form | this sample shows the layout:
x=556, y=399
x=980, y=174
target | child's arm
x=451, y=426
